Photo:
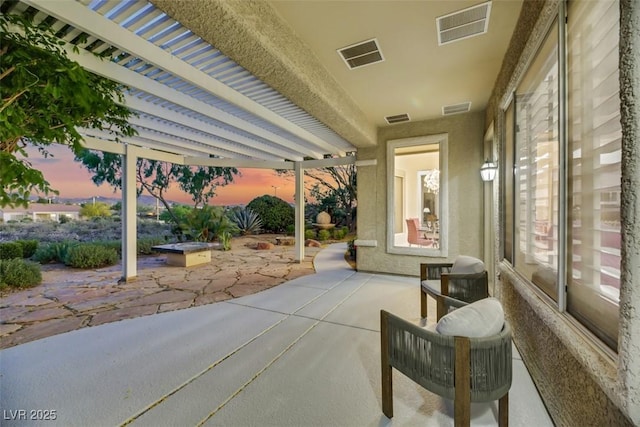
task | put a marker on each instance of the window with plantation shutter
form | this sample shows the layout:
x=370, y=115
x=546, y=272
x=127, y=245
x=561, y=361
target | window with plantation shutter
x=536, y=168
x=569, y=248
x=594, y=167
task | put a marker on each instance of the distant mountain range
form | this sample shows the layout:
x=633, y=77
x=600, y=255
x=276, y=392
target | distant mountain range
x=142, y=200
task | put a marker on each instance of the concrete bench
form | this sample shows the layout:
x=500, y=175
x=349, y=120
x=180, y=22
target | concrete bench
x=186, y=254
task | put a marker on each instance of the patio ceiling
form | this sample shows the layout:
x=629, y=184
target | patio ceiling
x=192, y=100
x=286, y=95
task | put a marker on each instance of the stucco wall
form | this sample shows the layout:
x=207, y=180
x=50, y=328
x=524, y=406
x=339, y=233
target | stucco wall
x=580, y=384
x=465, y=147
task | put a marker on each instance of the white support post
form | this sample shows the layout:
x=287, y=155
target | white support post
x=299, y=211
x=129, y=208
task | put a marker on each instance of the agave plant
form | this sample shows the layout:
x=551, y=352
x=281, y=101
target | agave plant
x=248, y=221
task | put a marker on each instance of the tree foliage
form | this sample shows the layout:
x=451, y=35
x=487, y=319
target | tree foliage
x=45, y=96
x=275, y=213
x=339, y=193
x=93, y=210
x=156, y=177
x=335, y=190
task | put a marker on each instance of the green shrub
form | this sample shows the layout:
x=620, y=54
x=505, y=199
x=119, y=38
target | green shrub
x=29, y=247
x=324, y=235
x=291, y=229
x=207, y=224
x=53, y=252
x=19, y=273
x=338, y=233
x=275, y=213
x=145, y=245
x=116, y=245
x=10, y=250
x=225, y=241
x=88, y=255
x=309, y=234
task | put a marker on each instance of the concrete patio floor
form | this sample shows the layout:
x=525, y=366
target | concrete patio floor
x=304, y=353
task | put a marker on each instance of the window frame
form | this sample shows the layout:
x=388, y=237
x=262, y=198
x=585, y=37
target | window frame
x=564, y=270
x=443, y=195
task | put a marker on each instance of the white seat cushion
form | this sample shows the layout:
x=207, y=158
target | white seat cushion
x=464, y=264
x=482, y=318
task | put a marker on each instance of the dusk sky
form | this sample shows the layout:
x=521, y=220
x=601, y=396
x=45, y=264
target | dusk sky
x=72, y=180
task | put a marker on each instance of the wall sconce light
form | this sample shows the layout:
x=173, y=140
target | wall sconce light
x=488, y=170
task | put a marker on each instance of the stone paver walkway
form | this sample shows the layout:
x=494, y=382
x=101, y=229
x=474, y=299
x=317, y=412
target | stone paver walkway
x=70, y=299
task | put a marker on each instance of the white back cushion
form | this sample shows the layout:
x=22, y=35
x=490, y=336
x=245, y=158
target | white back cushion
x=482, y=318
x=464, y=264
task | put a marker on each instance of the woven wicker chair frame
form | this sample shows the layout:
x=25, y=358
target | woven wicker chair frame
x=456, y=290
x=459, y=368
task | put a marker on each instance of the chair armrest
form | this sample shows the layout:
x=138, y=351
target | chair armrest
x=433, y=271
x=468, y=287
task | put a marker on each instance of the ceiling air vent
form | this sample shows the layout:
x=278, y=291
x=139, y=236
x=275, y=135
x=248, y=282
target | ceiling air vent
x=361, y=54
x=456, y=108
x=463, y=24
x=399, y=118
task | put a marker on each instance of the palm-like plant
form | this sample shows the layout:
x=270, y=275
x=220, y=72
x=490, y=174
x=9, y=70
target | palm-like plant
x=247, y=221
x=208, y=224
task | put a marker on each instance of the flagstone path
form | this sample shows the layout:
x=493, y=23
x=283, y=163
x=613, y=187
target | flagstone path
x=70, y=299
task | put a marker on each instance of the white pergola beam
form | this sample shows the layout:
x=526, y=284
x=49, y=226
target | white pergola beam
x=168, y=134
x=238, y=163
x=171, y=147
x=325, y=163
x=93, y=143
x=81, y=17
x=134, y=80
x=155, y=110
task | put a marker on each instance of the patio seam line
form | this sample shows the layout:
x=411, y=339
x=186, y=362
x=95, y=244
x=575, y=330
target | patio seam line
x=362, y=328
x=198, y=375
x=131, y=419
x=275, y=359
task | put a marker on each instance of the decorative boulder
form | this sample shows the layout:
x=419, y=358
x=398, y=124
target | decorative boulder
x=261, y=246
x=312, y=243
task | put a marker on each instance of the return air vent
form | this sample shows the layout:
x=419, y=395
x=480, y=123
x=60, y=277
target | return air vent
x=361, y=54
x=397, y=118
x=463, y=24
x=456, y=108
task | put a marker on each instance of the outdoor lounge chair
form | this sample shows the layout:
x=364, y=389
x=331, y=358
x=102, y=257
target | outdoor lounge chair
x=453, y=285
x=462, y=368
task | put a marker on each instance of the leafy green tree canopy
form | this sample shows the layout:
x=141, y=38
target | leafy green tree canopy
x=275, y=213
x=45, y=96
x=156, y=177
x=335, y=190
x=179, y=211
x=92, y=210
